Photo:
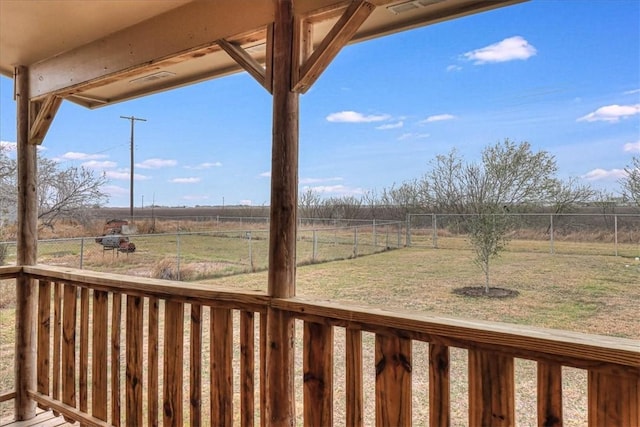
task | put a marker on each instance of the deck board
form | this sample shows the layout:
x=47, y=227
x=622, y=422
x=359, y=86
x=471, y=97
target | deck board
x=43, y=419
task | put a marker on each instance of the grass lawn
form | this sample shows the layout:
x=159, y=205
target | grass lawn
x=591, y=294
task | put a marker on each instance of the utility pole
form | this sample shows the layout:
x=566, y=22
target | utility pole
x=132, y=119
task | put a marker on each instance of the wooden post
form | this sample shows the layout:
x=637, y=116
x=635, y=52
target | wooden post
x=27, y=241
x=280, y=409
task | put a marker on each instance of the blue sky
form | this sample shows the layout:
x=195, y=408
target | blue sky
x=562, y=75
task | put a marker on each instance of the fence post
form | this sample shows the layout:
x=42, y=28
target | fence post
x=315, y=246
x=375, y=240
x=551, y=233
x=615, y=232
x=408, y=231
x=250, y=250
x=178, y=255
x=434, y=227
x=81, y=252
x=355, y=242
x=400, y=234
x=386, y=227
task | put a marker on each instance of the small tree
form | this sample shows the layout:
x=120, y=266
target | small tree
x=631, y=183
x=509, y=174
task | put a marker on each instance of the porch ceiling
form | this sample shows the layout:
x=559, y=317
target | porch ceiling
x=103, y=51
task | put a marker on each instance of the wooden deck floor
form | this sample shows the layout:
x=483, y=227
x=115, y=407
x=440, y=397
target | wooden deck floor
x=42, y=419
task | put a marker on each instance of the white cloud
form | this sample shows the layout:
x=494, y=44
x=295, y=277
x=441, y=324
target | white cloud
x=95, y=164
x=355, y=117
x=631, y=92
x=611, y=113
x=336, y=189
x=72, y=155
x=114, y=190
x=125, y=175
x=391, y=126
x=413, y=136
x=156, y=163
x=9, y=146
x=205, y=165
x=438, y=118
x=266, y=174
x=509, y=49
x=189, y=180
x=598, y=174
x=245, y=202
x=454, y=68
x=632, y=147
x=319, y=180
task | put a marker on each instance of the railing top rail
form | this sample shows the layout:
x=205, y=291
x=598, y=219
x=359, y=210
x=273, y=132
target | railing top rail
x=565, y=347
x=9, y=271
x=196, y=293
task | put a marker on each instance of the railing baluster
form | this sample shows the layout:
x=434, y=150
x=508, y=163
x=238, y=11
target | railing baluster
x=44, y=336
x=393, y=381
x=116, y=318
x=173, y=367
x=57, y=340
x=491, y=389
x=221, y=366
x=263, y=369
x=153, y=395
x=549, y=394
x=195, y=376
x=99, y=380
x=135, y=308
x=614, y=400
x=69, y=345
x=318, y=374
x=83, y=393
x=247, y=370
x=353, y=372
x=439, y=395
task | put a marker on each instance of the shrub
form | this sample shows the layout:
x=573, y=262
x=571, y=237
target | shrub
x=167, y=269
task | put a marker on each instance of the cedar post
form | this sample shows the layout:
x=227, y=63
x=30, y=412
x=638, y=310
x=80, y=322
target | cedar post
x=280, y=409
x=27, y=241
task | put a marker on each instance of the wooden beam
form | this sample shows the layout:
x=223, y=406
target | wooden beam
x=280, y=401
x=246, y=61
x=338, y=37
x=27, y=249
x=42, y=114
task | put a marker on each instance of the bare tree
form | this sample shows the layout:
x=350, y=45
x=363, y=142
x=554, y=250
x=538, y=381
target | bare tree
x=565, y=195
x=61, y=192
x=631, y=183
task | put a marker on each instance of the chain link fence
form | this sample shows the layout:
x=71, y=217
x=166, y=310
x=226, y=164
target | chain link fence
x=192, y=252
x=586, y=234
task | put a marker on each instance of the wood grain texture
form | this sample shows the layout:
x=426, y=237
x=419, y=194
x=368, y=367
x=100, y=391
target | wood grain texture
x=116, y=324
x=69, y=345
x=247, y=368
x=279, y=369
x=393, y=381
x=83, y=380
x=353, y=374
x=134, y=360
x=99, y=343
x=614, y=401
x=173, y=364
x=491, y=389
x=318, y=374
x=221, y=366
x=153, y=393
x=44, y=336
x=26, y=253
x=56, y=373
x=439, y=386
x=195, y=372
x=549, y=395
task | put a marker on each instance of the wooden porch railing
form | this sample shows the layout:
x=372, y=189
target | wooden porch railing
x=118, y=350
